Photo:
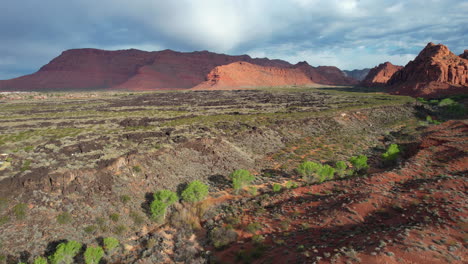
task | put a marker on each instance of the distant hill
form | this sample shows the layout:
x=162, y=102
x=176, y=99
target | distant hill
x=357, y=74
x=379, y=75
x=94, y=69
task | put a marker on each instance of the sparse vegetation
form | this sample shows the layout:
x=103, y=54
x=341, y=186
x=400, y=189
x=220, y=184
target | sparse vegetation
x=222, y=236
x=19, y=211
x=125, y=199
x=114, y=217
x=195, y=192
x=341, y=168
x=64, y=218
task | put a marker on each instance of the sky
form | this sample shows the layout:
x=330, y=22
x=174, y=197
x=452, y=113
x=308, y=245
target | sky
x=349, y=34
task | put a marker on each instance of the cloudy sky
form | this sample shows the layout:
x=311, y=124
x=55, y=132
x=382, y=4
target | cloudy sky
x=349, y=34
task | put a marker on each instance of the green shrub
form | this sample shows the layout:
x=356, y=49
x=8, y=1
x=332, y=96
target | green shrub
x=341, y=168
x=392, y=152
x=64, y=218
x=166, y=196
x=276, y=187
x=240, y=179
x=20, y=211
x=307, y=169
x=90, y=229
x=65, y=252
x=431, y=121
x=158, y=210
x=120, y=229
x=40, y=260
x=136, y=168
x=359, y=162
x=125, y=199
x=195, y=192
x=162, y=200
x=114, y=217
x=253, y=190
x=291, y=185
x=93, y=254
x=110, y=244
x=452, y=107
x=137, y=218
x=326, y=172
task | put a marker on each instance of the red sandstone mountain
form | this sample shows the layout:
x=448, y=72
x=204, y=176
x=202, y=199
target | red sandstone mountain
x=91, y=69
x=379, y=75
x=325, y=74
x=435, y=72
x=244, y=75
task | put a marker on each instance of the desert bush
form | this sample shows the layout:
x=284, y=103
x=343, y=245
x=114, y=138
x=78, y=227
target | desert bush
x=4, y=219
x=125, y=198
x=137, y=218
x=110, y=244
x=65, y=252
x=341, y=168
x=307, y=170
x=240, y=179
x=359, y=162
x=291, y=185
x=166, y=196
x=90, y=229
x=120, y=229
x=19, y=211
x=93, y=254
x=392, y=152
x=253, y=190
x=158, y=210
x=136, y=168
x=221, y=236
x=64, y=218
x=40, y=260
x=114, y=217
x=276, y=187
x=195, y=192
x=325, y=172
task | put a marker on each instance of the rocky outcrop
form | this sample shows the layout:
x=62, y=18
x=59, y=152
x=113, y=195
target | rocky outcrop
x=435, y=72
x=245, y=75
x=357, y=74
x=92, y=69
x=329, y=75
x=464, y=55
x=379, y=75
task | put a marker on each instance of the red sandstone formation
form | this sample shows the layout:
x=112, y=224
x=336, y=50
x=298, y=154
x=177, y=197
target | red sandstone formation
x=325, y=74
x=92, y=69
x=379, y=75
x=82, y=69
x=244, y=75
x=435, y=72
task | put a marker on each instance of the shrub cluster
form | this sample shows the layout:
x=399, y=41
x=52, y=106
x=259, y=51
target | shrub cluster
x=161, y=200
x=195, y=192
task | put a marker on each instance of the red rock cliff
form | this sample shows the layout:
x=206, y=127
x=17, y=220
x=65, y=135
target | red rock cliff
x=379, y=75
x=435, y=72
x=246, y=75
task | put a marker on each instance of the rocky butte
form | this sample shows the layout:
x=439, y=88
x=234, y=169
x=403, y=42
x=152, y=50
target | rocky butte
x=435, y=72
x=379, y=75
